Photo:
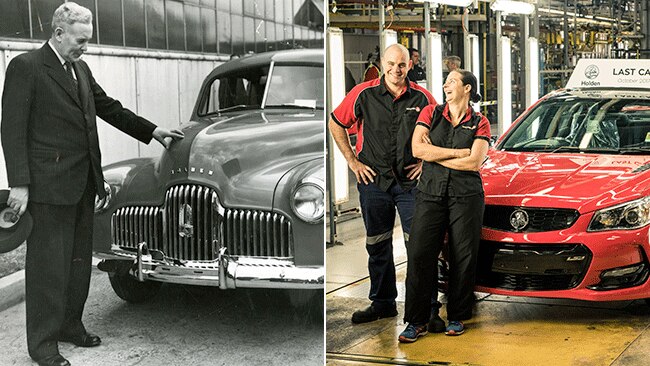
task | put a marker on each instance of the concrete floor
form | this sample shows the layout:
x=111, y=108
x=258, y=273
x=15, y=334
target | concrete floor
x=504, y=331
x=184, y=325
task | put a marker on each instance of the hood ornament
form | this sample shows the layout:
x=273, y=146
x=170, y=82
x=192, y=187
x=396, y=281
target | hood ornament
x=519, y=219
x=185, y=219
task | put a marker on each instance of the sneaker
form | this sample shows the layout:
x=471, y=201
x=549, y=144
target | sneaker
x=436, y=324
x=455, y=328
x=412, y=332
x=370, y=314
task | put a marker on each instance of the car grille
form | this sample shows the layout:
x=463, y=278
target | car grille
x=133, y=225
x=257, y=233
x=190, y=223
x=191, y=227
x=524, y=267
x=540, y=219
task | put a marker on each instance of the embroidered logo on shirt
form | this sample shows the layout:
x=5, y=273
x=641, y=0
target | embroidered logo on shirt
x=417, y=109
x=469, y=127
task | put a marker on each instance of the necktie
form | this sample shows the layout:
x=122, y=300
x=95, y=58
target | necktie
x=68, y=70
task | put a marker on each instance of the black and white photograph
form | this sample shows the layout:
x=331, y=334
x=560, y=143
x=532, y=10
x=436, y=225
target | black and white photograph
x=325, y=182
x=488, y=182
x=163, y=182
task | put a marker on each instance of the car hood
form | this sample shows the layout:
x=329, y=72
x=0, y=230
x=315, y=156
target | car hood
x=585, y=182
x=244, y=156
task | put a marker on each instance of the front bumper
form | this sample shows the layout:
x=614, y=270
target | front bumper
x=587, y=269
x=226, y=272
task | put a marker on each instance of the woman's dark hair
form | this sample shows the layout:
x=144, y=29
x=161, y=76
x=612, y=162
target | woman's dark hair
x=469, y=79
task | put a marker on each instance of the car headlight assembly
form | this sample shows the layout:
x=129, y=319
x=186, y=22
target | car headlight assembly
x=626, y=216
x=102, y=203
x=308, y=202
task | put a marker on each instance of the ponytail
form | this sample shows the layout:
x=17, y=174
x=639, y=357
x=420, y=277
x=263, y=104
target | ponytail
x=469, y=79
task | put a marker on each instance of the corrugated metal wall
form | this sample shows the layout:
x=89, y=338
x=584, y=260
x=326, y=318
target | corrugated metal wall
x=159, y=86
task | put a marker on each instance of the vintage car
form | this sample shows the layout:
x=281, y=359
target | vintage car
x=239, y=202
x=567, y=191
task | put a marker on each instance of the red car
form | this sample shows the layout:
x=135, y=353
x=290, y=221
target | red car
x=567, y=191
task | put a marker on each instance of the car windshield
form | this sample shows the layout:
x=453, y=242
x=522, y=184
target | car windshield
x=300, y=86
x=290, y=86
x=604, y=125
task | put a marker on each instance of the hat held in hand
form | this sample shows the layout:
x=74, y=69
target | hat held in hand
x=14, y=229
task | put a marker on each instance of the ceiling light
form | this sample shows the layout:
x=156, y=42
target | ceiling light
x=513, y=7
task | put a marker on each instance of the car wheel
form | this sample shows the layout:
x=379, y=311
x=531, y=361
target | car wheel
x=132, y=290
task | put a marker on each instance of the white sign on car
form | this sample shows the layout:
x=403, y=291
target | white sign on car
x=604, y=73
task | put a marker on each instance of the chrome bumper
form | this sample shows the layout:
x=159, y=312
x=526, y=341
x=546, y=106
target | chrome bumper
x=225, y=272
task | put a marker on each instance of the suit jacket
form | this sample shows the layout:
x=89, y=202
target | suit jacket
x=49, y=131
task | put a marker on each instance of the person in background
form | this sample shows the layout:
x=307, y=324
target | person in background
x=452, y=140
x=416, y=73
x=452, y=63
x=384, y=166
x=373, y=69
x=49, y=136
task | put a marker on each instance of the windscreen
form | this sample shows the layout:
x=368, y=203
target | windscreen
x=287, y=86
x=570, y=123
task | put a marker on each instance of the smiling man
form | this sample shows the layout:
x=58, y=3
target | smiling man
x=49, y=136
x=384, y=111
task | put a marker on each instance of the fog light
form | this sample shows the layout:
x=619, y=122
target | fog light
x=622, y=277
x=618, y=272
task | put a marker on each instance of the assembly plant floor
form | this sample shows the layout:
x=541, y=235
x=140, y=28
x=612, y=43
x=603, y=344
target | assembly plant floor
x=504, y=331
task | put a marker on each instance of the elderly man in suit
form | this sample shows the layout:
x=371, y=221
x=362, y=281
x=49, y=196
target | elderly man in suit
x=49, y=136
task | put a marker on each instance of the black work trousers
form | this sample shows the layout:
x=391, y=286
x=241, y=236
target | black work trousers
x=57, y=271
x=461, y=217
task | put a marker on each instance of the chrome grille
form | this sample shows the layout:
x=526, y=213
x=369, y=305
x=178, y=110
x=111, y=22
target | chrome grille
x=257, y=233
x=133, y=225
x=202, y=220
x=243, y=232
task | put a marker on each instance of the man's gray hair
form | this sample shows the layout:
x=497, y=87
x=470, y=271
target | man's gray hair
x=70, y=13
x=453, y=59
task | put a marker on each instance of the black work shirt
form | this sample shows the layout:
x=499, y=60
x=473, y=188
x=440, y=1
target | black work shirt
x=437, y=180
x=385, y=125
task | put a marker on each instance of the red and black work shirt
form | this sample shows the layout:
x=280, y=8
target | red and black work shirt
x=437, y=180
x=385, y=126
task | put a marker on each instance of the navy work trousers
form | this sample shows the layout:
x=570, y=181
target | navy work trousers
x=378, y=209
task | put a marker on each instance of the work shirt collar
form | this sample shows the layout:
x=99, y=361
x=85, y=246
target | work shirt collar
x=383, y=90
x=468, y=114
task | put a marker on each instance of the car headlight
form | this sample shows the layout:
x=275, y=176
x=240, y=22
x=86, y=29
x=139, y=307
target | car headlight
x=626, y=216
x=308, y=202
x=102, y=203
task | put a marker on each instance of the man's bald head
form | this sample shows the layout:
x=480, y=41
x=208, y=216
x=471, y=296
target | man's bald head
x=396, y=47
